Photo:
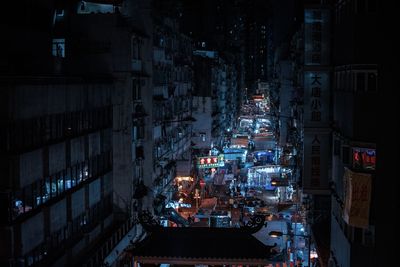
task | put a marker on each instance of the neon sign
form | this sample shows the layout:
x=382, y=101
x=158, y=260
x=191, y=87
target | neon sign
x=209, y=162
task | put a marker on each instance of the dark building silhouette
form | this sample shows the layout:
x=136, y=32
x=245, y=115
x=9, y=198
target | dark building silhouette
x=355, y=132
x=256, y=43
x=73, y=140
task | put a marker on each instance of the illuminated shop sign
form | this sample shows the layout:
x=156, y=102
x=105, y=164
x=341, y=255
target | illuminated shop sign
x=364, y=158
x=209, y=162
x=258, y=97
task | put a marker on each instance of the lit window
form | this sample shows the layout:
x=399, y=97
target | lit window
x=60, y=12
x=58, y=16
x=58, y=48
x=87, y=7
x=203, y=137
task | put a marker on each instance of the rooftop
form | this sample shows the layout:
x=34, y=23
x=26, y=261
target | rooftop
x=205, y=245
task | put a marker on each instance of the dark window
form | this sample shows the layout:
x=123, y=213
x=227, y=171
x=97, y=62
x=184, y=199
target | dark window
x=140, y=152
x=372, y=6
x=141, y=131
x=348, y=80
x=136, y=90
x=337, y=80
x=346, y=155
x=360, y=81
x=336, y=148
x=369, y=237
x=371, y=82
x=357, y=235
x=361, y=6
x=315, y=150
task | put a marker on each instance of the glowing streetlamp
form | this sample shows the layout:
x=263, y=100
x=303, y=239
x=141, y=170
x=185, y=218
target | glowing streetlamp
x=275, y=234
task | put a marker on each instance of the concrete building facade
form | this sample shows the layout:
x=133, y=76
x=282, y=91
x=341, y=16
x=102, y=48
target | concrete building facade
x=355, y=134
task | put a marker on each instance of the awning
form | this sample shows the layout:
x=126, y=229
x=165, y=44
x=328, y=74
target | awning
x=284, y=206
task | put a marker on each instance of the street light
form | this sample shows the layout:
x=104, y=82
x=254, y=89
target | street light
x=308, y=237
x=275, y=234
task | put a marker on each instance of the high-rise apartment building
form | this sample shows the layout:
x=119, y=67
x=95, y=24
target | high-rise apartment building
x=256, y=44
x=76, y=87
x=355, y=131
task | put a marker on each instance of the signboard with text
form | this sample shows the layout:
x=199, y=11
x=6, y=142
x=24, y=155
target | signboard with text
x=316, y=152
x=316, y=36
x=316, y=98
x=209, y=162
x=317, y=131
x=357, y=198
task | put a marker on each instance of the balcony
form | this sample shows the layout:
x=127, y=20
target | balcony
x=136, y=65
x=48, y=190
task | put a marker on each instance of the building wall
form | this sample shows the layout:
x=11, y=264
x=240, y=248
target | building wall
x=32, y=233
x=77, y=203
x=340, y=246
x=285, y=95
x=123, y=171
x=54, y=153
x=202, y=127
x=256, y=45
x=93, y=88
x=172, y=95
x=355, y=123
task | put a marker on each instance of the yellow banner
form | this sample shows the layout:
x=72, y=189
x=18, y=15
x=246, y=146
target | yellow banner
x=357, y=198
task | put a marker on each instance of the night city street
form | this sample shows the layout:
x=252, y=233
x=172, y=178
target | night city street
x=198, y=133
